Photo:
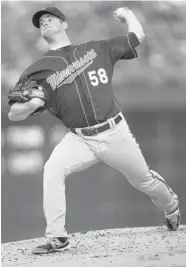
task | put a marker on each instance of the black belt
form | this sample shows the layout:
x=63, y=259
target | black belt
x=98, y=129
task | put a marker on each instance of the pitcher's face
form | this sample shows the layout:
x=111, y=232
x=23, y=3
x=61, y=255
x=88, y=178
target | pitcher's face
x=50, y=25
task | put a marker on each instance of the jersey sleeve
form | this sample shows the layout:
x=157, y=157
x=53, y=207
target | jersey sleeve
x=122, y=47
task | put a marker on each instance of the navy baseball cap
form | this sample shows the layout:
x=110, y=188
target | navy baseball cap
x=48, y=10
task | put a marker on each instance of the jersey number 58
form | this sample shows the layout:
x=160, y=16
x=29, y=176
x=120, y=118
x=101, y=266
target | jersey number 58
x=97, y=77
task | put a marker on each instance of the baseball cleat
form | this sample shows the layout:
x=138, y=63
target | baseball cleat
x=54, y=244
x=172, y=220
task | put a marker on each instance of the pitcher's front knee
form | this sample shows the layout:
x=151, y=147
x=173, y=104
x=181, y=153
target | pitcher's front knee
x=55, y=172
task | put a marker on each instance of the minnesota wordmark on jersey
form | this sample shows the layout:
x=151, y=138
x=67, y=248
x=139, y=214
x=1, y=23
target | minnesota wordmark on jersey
x=71, y=71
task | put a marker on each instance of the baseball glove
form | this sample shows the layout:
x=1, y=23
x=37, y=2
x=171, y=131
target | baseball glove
x=27, y=90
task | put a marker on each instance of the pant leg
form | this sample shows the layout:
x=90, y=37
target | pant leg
x=121, y=151
x=70, y=155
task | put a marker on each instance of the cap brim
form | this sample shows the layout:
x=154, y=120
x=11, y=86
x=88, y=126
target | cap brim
x=37, y=15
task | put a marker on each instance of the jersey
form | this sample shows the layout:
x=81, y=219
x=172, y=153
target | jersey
x=78, y=79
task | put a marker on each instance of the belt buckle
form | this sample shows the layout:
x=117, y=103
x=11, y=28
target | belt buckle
x=94, y=131
x=87, y=132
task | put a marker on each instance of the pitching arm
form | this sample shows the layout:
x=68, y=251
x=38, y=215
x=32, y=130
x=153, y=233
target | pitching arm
x=126, y=15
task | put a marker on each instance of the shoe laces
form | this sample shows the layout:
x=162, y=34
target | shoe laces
x=173, y=216
x=49, y=240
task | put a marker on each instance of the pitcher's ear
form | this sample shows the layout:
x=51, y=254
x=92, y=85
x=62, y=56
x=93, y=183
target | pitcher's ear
x=65, y=25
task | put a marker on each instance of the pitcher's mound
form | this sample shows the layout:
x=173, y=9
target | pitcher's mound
x=129, y=247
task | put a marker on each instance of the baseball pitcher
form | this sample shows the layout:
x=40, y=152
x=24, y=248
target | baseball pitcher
x=74, y=83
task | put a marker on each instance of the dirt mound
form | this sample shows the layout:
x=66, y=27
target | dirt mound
x=131, y=247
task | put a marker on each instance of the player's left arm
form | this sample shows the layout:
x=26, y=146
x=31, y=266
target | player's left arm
x=124, y=45
x=125, y=15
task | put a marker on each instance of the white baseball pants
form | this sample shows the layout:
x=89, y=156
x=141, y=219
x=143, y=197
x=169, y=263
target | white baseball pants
x=116, y=147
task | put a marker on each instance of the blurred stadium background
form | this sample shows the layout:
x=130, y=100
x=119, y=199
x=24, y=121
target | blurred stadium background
x=151, y=90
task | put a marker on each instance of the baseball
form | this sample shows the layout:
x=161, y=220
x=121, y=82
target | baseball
x=122, y=13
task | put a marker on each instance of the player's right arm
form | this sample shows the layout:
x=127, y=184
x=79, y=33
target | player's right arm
x=21, y=111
